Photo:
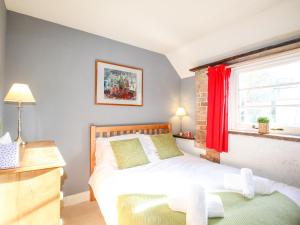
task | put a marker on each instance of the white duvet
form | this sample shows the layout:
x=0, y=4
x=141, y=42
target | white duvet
x=161, y=178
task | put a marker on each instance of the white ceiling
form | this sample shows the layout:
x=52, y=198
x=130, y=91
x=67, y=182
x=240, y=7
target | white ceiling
x=188, y=32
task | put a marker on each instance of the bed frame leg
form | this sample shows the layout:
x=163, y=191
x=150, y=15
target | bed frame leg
x=92, y=196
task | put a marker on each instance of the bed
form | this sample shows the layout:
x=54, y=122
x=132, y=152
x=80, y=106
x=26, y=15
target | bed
x=156, y=178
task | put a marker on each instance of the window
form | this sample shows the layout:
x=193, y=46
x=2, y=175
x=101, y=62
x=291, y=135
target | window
x=267, y=89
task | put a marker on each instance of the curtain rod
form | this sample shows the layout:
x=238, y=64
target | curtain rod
x=269, y=50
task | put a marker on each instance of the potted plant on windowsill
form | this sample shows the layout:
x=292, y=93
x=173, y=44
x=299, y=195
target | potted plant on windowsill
x=263, y=125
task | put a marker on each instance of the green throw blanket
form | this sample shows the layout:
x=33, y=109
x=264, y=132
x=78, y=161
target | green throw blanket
x=275, y=209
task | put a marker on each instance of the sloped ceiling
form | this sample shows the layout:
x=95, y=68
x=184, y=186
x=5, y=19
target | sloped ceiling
x=189, y=32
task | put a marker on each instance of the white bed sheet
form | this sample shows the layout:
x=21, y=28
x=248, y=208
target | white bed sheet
x=160, y=178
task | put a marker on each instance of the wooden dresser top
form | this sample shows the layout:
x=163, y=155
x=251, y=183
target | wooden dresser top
x=37, y=155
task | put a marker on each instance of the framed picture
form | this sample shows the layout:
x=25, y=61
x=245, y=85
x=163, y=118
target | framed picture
x=118, y=84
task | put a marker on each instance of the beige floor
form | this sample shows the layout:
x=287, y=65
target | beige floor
x=86, y=213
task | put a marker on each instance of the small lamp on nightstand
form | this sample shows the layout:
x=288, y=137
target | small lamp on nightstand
x=19, y=93
x=180, y=112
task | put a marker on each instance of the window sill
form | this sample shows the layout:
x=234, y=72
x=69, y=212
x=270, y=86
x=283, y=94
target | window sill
x=271, y=136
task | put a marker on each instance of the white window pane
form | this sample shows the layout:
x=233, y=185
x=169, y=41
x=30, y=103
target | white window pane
x=287, y=116
x=271, y=75
x=250, y=115
x=271, y=90
x=279, y=116
x=288, y=95
x=285, y=95
x=256, y=97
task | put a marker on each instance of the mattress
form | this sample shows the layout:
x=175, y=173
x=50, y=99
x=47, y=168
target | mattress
x=160, y=178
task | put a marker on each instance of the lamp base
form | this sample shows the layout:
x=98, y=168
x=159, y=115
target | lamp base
x=20, y=141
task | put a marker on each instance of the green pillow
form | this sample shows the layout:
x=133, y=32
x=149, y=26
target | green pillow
x=166, y=146
x=129, y=153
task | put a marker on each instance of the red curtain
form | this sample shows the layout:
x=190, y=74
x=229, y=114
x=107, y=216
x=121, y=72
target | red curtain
x=217, y=112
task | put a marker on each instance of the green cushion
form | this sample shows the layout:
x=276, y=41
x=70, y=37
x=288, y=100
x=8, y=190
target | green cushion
x=166, y=146
x=129, y=153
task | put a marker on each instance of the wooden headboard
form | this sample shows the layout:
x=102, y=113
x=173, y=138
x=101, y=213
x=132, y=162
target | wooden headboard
x=109, y=131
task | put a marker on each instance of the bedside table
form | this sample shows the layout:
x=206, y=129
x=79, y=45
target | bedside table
x=30, y=194
x=183, y=137
x=187, y=145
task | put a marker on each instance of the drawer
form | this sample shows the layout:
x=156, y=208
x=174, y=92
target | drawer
x=30, y=198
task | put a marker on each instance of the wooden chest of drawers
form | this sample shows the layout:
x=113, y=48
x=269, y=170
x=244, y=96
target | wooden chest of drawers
x=30, y=194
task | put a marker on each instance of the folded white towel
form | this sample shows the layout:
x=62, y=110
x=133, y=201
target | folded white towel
x=178, y=201
x=263, y=186
x=233, y=182
x=214, y=206
x=247, y=183
x=196, y=212
x=244, y=183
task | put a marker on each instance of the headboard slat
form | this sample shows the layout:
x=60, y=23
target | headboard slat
x=107, y=131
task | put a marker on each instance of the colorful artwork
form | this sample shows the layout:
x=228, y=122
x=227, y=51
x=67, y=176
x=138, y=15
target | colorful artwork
x=118, y=84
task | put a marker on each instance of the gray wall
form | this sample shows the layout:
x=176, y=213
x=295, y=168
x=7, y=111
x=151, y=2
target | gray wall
x=58, y=64
x=188, y=101
x=2, y=55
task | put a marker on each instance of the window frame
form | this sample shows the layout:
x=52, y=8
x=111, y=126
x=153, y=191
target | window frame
x=234, y=109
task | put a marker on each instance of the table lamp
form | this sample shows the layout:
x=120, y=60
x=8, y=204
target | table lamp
x=180, y=112
x=19, y=93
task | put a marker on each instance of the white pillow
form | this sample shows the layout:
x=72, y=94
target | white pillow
x=123, y=137
x=149, y=147
x=5, y=139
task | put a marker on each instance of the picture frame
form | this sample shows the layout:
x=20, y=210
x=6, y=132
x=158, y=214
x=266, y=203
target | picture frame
x=117, y=84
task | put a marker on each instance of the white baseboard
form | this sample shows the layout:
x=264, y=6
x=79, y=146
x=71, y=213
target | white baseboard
x=76, y=198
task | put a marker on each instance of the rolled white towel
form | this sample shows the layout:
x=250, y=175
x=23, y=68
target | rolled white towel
x=242, y=183
x=234, y=182
x=196, y=212
x=214, y=206
x=247, y=183
x=178, y=201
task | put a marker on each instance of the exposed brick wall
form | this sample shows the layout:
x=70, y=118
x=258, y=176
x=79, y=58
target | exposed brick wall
x=201, y=115
x=201, y=108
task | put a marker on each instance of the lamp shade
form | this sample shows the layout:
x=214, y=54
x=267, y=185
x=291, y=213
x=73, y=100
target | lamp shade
x=19, y=93
x=180, y=111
